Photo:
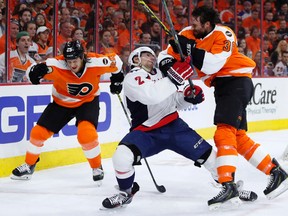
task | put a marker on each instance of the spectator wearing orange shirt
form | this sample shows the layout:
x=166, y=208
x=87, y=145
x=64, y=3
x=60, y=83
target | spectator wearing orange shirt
x=139, y=14
x=124, y=37
x=251, y=21
x=253, y=41
x=14, y=29
x=105, y=46
x=64, y=34
x=268, y=21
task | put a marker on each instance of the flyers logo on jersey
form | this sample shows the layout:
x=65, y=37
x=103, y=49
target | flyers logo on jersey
x=81, y=89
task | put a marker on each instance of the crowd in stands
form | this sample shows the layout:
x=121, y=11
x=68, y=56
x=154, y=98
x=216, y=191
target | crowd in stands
x=76, y=20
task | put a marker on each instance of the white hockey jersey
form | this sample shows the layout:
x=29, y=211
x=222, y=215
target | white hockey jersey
x=153, y=100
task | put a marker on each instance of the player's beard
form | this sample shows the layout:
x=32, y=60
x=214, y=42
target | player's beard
x=200, y=34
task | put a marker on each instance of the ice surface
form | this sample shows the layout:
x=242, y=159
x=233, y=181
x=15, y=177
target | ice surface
x=70, y=191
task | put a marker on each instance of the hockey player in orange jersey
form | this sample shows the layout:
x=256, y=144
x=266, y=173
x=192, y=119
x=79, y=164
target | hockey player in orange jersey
x=218, y=63
x=75, y=93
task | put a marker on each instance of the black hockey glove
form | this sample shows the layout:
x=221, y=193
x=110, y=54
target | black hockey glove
x=197, y=96
x=37, y=72
x=116, y=83
x=186, y=45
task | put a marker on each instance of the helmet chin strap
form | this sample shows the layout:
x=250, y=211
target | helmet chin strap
x=146, y=68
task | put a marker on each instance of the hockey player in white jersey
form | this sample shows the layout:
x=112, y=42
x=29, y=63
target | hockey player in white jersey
x=153, y=100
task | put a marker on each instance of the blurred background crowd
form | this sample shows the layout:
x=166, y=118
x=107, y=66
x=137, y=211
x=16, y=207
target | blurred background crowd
x=34, y=30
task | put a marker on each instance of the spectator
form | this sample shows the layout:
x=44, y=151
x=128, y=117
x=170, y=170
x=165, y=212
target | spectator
x=227, y=16
x=118, y=20
x=25, y=16
x=268, y=21
x=78, y=34
x=105, y=46
x=181, y=22
x=109, y=25
x=273, y=39
x=242, y=43
x=145, y=38
x=30, y=27
x=64, y=34
x=247, y=10
x=124, y=54
x=280, y=68
x=40, y=20
x=14, y=29
x=109, y=13
x=42, y=41
x=19, y=7
x=155, y=32
x=139, y=13
x=123, y=6
x=268, y=7
x=124, y=37
x=65, y=14
x=19, y=59
x=282, y=31
x=251, y=21
x=257, y=59
x=276, y=56
x=253, y=42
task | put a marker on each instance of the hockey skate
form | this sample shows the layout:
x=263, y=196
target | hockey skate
x=98, y=175
x=23, y=172
x=120, y=200
x=229, y=193
x=245, y=195
x=278, y=182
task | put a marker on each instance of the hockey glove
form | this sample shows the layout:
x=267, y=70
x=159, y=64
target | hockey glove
x=197, y=96
x=185, y=44
x=180, y=71
x=37, y=72
x=116, y=83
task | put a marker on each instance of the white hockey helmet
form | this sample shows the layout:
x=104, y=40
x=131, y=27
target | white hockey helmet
x=137, y=52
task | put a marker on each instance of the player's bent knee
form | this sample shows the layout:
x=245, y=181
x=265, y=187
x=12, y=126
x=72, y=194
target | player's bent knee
x=123, y=158
x=40, y=133
x=86, y=132
x=128, y=154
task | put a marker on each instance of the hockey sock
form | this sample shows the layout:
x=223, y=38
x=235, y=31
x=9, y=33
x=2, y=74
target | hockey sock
x=88, y=139
x=38, y=136
x=225, y=140
x=253, y=153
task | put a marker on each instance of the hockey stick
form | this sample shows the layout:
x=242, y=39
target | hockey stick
x=171, y=32
x=160, y=188
x=175, y=35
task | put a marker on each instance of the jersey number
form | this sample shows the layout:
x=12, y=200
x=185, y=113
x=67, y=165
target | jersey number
x=227, y=45
x=138, y=79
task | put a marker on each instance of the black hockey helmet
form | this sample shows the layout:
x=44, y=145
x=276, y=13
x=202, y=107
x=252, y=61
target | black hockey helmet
x=73, y=50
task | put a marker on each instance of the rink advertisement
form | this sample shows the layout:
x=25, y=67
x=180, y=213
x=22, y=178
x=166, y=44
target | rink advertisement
x=21, y=106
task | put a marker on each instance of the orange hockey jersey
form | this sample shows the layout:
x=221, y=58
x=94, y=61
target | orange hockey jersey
x=221, y=55
x=69, y=90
